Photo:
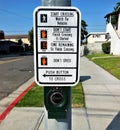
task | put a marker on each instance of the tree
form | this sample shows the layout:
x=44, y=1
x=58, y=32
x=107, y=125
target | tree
x=114, y=18
x=2, y=36
x=83, y=30
x=20, y=42
x=30, y=38
x=117, y=6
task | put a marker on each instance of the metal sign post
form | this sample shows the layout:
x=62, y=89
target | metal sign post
x=56, y=59
x=56, y=2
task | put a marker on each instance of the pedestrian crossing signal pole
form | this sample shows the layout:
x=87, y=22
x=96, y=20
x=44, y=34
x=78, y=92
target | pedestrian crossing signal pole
x=56, y=2
x=56, y=59
x=65, y=123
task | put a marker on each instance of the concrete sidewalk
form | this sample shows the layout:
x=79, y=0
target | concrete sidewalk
x=32, y=119
x=102, y=96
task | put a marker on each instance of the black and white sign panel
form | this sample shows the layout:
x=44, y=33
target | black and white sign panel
x=57, y=45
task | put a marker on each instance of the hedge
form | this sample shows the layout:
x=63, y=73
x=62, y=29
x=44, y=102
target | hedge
x=106, y=47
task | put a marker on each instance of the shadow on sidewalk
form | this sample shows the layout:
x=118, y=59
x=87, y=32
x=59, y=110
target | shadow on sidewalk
x=115, y=124
x=84, y=78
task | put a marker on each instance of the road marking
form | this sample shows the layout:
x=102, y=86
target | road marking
x=8, y=61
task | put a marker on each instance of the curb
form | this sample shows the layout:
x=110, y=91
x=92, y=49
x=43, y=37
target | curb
x=10, y=107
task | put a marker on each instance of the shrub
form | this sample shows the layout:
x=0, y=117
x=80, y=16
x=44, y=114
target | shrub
x=106, y=47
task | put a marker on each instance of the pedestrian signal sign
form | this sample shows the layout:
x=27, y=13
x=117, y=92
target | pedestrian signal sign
x=57, y=46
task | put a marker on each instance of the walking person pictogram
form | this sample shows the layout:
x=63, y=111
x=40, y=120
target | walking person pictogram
x=43, y=18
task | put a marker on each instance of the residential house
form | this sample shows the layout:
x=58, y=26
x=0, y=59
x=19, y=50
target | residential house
x=97, y=37
x=15, y=38
x=9, y=47
x=95, y=41
x=9, y=44
x=113, y=28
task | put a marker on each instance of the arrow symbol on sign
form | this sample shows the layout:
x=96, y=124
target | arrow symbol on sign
x=45, y=75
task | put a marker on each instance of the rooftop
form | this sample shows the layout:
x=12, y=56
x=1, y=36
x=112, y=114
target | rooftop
x=95, y=33
x=16, y=36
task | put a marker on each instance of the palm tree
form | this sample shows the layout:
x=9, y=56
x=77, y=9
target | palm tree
x=114, y=17
x=117, y=6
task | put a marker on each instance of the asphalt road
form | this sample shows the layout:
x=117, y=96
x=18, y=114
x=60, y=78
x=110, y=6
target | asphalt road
x=14, y=71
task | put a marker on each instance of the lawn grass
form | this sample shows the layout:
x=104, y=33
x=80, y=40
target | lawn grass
x=108, y=62
x=78, y=99
x=112, y=65
x=93, y=56
x=35, y=97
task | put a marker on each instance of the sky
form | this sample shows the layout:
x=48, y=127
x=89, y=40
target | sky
x=16, y=16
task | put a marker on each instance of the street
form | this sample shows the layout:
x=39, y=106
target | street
x=14, y=71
